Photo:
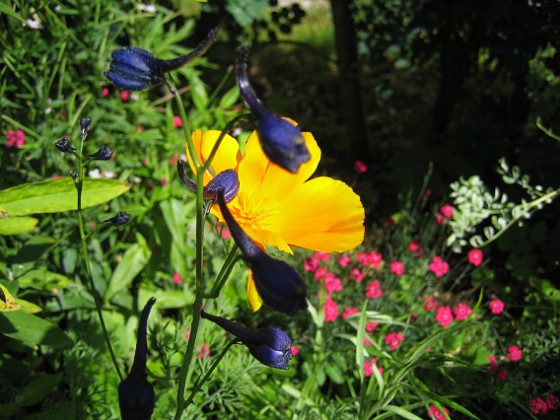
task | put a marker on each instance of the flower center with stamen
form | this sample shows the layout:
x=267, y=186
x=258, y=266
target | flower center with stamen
x=256, y=212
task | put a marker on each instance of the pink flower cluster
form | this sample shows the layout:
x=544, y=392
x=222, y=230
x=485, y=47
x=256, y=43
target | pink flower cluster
x=373, y=290
x=445, y=315
x=394, y=340
x=397, y=267
x=540, y=406
x=514, y=355
x=16, y=138
x=475, y=257
x=438, y=267
x=445, y=213
x=372, y=259
x=368, y=367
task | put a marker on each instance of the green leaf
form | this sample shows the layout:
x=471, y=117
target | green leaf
x=37, y=389
x=42, y=279
x=198, y=92
x=57, y=195
x=31, y=329
x=133, y=262
x=4, y=8
x=17, y=225
x=402, y=412
x=230, y=98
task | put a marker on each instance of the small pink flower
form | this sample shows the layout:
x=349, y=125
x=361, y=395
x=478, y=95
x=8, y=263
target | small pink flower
x=177, y=278
x=349, y=311
x=124, y=95
x=187, y=334
x=16, y=138
x=552, y=402
x=332, y=283
x=397, y=267
x=294, y=350
x=439, y=219
x=367, y=342
x=360, y=167
x=104, y=92
x=493, y=363
x=344, y=261
x=502, y=375
x=140, y=128
x=370, y=326
x=177, y=121
x=374, y=362
x=311, y=264
x=538, y=406
x=415, y=247
x=370, y=259
x=330, y=309
x=475, y=257
x=428, y=192
x=514, y=353
x=320, y=273
x=173, y=160
x=431, y=303
x=226, y=233
x=357, y=275
x=368, y=370
x=438, y=267
x=496, y=306
x=461, y=312
x=444, y=316
x=204, y=351
x=373, y=290
x=322, y=256
x=394, y=340
x=446, y=211
x=163, y=182
x=435, y=414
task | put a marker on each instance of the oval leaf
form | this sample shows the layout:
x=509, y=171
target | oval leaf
x=57, y=195
x=17, y=225
x=32, y=330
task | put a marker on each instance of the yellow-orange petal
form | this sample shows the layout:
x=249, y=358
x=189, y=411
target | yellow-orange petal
x=258, y=175
x=322, y=214
x=226, y=158
x=255, y=300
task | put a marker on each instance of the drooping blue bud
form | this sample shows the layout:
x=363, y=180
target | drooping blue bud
x=65, y=146
x=134, y=68
x=278, y=284
x=104, y=153
x=270, y=345
x=281, y=141
x=121, y=218
x=227, y=181
x=85, y=125
x=136, y=394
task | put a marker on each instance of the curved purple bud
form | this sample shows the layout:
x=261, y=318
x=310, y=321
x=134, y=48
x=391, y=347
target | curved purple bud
x=227, y=180
x=281, y=141
x=134, y=68
x=136, y=394
x=270, y=345
x=278, y=284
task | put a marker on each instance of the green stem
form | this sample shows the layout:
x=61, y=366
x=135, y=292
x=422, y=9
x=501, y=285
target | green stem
x=83, y=238
x=224, y=273
x=201, y=382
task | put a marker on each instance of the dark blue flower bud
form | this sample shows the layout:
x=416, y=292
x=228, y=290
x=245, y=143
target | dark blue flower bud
x=64, y=145
x=136, y=394
x=121, y=218
x=85, y=125
x=104, y=153
x=133, y=68
x=281, y=141
x=278, y=284
x=270, y=345
x=227, y=181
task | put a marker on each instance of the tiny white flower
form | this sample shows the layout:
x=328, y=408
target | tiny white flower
x=95, y=173
x=149, y=8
